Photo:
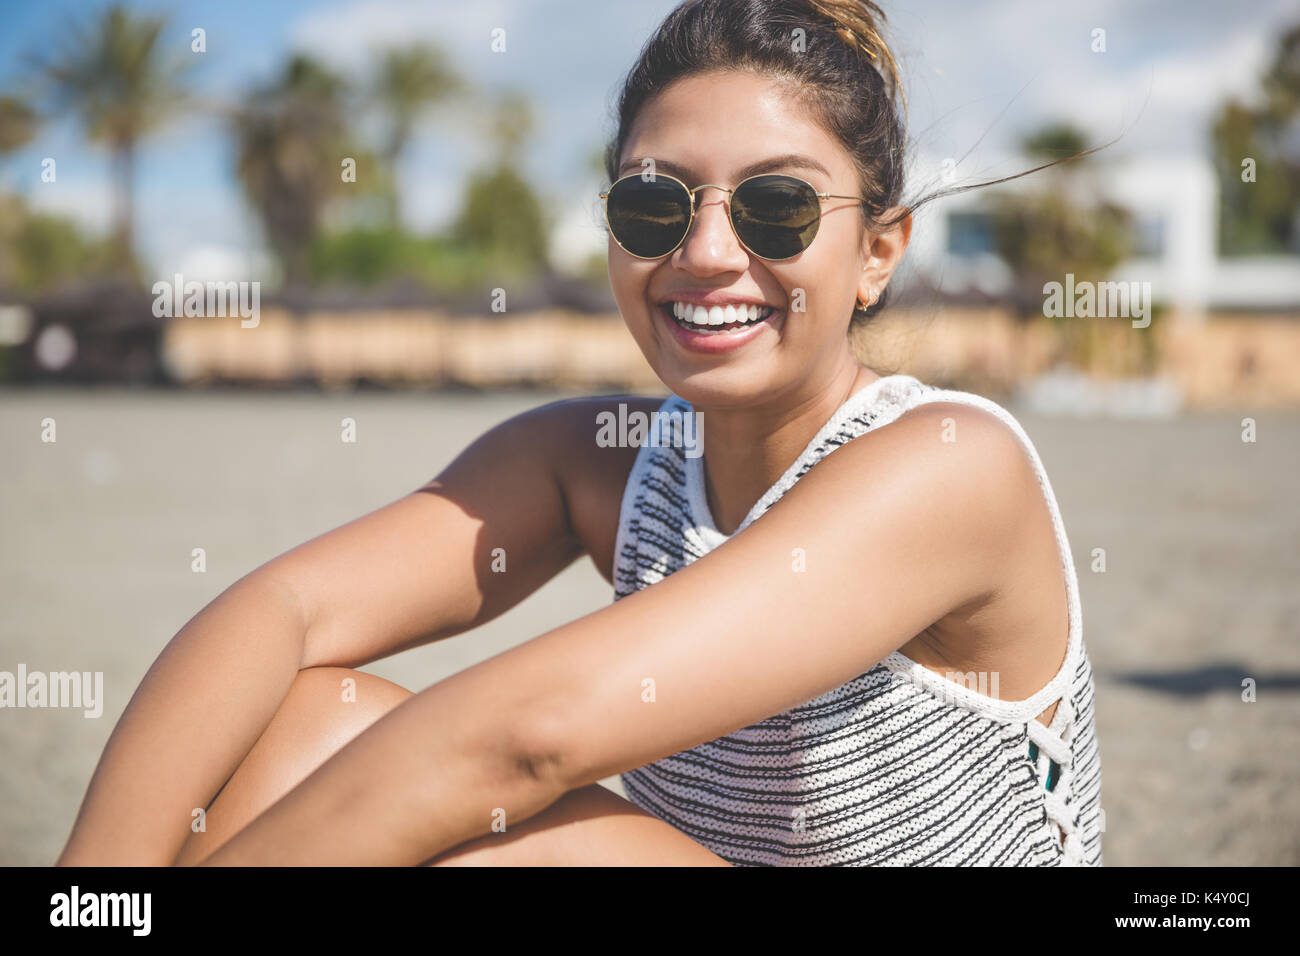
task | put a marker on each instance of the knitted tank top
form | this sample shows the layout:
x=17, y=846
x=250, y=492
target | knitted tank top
x=898, y=766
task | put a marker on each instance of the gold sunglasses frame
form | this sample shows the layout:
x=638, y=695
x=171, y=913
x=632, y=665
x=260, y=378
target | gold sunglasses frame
x=729, y=191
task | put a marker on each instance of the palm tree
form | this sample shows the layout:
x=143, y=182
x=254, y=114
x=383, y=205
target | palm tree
x=113, y=74
x=17, y=127
x=410, y=79
x=17, y=124
x=512, y=123
x=1261, y=215
x=501, y=214
x=291, y=137
x=1063, y=226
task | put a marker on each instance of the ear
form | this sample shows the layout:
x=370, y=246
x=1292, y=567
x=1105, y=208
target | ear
x=882, y=252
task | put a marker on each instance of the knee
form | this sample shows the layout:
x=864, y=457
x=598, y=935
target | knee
x=324, y=709
x=338, y=701
x=364, y=693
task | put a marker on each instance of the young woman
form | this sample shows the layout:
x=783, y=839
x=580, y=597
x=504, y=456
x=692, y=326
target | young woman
x=846, y=626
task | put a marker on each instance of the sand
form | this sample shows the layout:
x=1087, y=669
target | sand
x=1200, y=530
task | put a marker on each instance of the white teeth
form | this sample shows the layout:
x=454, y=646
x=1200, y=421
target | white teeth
x=702, y=318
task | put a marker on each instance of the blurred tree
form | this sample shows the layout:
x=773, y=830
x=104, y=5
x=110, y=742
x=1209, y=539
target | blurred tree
x=512, y=124
x=1061, y=227
x=410, y=80
x=501, y=217
x=17, y=124
x=369, y=255
x=1261, y=213
x=292, y=143
x=17, y=127
x=498, y=235
x=51, y=250
x=112, y=72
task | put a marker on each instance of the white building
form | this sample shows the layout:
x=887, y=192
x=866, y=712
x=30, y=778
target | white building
x=1174, y=201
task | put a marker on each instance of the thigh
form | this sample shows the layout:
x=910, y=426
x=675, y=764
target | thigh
x=324, y=709
x=328, y=706
x=590, y=826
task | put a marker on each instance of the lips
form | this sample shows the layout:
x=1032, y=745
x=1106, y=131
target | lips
x=722, y=337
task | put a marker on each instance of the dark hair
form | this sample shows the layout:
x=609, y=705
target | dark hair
x=839, y=65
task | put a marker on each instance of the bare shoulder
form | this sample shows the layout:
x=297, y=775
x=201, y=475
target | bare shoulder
x=576, y=432
x=956, y=472
x=972, y=434
x=578, y=417
x=562, y=435
x=979, y=476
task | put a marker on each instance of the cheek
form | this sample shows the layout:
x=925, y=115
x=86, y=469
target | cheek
x=814, y=294
x=629, y=284
x=828, y=271
x=619, y=278
x=629, y=280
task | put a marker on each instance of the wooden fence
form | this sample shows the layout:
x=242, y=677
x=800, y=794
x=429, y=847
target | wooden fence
x=1220, y=360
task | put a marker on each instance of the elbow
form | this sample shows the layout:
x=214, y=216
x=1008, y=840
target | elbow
x=543, y=750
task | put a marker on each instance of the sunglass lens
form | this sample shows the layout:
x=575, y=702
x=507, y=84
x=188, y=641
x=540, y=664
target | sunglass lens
x=776, y=216
x=650, y=218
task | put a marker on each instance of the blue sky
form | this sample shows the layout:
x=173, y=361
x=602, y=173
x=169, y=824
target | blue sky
x=975, y=73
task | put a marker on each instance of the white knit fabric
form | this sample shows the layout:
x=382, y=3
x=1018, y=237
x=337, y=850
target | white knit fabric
x=899, y=766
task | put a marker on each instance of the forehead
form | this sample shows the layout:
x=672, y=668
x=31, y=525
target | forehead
x=722, y=127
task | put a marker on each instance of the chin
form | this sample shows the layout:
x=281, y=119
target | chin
x=726, y=385
x=730, y=378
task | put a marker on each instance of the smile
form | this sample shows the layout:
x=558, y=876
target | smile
x=718, y=320
x=717, y=329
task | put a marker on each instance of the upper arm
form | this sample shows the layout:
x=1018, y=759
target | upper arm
x=489, y=530
x=881, y=539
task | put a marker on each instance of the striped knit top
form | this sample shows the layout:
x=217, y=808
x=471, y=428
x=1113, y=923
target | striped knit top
x=898, y=766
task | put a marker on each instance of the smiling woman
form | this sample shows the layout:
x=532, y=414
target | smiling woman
x=806, y=615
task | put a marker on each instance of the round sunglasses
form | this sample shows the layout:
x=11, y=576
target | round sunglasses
x=774, y=216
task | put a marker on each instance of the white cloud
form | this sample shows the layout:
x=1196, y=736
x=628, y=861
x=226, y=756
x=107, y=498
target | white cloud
x=87, y=201
x=1166, y=68
x=348, y=34
x=218, y=263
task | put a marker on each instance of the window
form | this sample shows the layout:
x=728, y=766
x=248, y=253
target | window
x=1149, y=236
x=970, y=234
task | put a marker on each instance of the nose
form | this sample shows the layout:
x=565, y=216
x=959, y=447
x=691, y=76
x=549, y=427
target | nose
x=711, y=245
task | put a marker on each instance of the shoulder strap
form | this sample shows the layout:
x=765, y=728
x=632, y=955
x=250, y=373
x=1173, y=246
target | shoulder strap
x=1060, y=684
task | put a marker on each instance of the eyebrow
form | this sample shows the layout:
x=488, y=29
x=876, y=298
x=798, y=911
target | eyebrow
x=787, y=161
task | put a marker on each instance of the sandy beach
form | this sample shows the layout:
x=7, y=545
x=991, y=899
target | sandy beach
x=1200, y=532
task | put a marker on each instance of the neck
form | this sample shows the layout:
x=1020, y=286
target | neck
x=747, y=449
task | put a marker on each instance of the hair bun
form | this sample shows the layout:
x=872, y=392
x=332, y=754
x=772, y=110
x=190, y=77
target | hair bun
x=858, y=24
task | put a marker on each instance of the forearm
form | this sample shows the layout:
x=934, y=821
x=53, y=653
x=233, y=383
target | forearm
x=444, y=767
x=197, y=713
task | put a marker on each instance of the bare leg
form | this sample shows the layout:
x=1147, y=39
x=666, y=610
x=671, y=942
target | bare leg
x=592, y=826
